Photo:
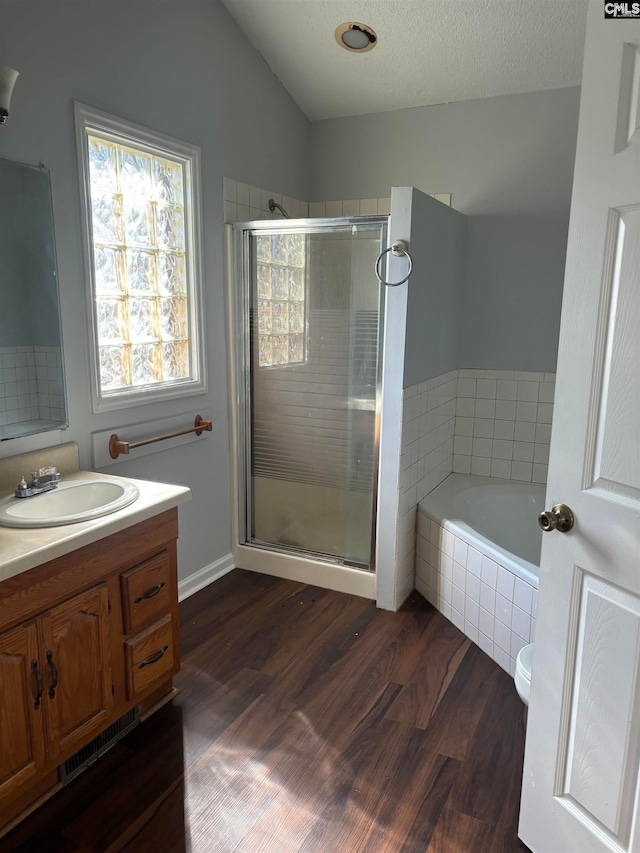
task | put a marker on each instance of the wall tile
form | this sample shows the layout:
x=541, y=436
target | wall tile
x=527, y=391
x=504, y=430
x=489, y=572
x=521, y=623
x=487, y=598
x=351, y=207
x=527, y=412
x=505, y=583
x=486, y=389
x=480, y=466
x=501, y=469
x=368, y=206
x=503, y=609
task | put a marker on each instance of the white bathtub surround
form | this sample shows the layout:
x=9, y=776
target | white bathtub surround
x=426, y=459
x=488, y=593
x=245, y=203
x=503, y=424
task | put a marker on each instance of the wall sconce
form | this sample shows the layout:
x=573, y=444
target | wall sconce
x=8, y=79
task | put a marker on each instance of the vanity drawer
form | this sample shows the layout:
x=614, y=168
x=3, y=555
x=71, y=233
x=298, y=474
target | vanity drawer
x=149, y=657
x=146, y=592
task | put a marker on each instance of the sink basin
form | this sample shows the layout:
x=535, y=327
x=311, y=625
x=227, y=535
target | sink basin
x=70, y=503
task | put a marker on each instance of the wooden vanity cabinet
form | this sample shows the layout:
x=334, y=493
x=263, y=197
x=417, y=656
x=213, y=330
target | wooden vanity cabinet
x=84, y=638
x=22, y=736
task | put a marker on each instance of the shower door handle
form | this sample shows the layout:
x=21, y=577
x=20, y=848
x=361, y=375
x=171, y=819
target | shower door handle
x=560, y=518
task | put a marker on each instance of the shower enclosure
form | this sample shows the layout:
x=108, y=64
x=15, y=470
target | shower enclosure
x=306, y=318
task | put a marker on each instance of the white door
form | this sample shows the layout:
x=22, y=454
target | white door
x=580, y=785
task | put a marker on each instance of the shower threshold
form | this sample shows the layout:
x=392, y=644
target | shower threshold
x=319, y=556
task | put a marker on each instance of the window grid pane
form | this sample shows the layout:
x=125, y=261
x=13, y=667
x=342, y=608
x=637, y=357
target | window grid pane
x=139, y=260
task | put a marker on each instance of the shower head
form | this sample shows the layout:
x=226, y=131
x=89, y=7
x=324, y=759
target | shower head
x=274, y=204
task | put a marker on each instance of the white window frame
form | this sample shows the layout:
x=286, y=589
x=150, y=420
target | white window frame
x=89, y=120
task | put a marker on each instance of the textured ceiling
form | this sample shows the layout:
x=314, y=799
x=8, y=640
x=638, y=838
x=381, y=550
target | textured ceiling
x=428, y=51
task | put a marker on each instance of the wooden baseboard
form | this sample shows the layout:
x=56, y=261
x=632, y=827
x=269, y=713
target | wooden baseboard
x=147, y=710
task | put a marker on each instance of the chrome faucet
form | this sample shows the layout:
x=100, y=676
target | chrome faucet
x=41, y=481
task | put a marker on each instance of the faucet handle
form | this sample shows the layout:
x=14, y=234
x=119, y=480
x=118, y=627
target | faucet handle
x=47, y=471
x=34, y=476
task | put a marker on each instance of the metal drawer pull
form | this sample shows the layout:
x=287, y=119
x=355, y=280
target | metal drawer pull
x=39, y=684
x=54, y=675
x=150, y=594
x=153, y=659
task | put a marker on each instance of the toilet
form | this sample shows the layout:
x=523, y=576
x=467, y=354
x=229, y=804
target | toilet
x=522, y=675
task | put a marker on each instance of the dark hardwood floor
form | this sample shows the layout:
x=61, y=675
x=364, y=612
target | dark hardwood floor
x=307, y=721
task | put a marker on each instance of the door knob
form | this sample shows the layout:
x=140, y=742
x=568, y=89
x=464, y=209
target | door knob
x=560, y=518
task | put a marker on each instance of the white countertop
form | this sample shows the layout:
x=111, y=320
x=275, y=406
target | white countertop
x=22, y=549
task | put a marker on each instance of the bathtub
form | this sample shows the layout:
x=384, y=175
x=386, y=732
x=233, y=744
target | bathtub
x=478, y=556
x=497, y=517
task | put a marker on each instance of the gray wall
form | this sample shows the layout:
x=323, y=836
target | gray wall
x=508, y=163
x=182, y=68
x=438, y=250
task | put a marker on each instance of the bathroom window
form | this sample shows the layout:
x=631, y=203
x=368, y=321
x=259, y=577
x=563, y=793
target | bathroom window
x=280, y=265
x=142, y=227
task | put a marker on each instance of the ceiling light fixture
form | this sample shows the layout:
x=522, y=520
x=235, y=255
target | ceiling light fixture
x=358, y=38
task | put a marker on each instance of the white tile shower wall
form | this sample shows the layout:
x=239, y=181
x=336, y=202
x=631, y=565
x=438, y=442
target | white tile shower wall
x=503, y=424
x=361, y=206
x=49, y=383
x=244, y=203
x=18, y=389
x=31, y=385
x=488, y=603
x=426, y=458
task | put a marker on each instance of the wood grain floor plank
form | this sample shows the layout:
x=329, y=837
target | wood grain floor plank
x=459, y=833
x=210, y=705
x=441, y=651
x=454, y=722
x=492, y=768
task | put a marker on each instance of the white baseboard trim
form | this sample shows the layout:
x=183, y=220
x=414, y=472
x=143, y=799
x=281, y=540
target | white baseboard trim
x=204, y=576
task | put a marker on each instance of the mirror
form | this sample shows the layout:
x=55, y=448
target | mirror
x=32, y=390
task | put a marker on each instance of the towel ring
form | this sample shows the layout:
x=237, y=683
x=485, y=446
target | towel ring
x=400, y=249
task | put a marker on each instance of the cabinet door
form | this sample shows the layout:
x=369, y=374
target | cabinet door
x=77, y=670
x=22, y=751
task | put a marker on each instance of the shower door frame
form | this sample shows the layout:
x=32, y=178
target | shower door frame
x=282, y=561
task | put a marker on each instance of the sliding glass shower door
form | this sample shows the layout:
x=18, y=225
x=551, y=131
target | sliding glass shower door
x=311, y=344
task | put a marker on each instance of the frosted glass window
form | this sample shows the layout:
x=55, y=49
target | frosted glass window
x=141, y=237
